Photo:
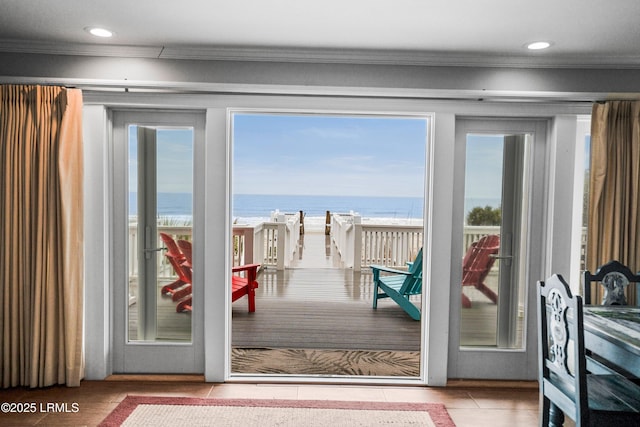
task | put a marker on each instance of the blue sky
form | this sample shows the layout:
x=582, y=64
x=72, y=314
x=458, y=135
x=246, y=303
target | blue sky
x=174, y=158
x=587, y=151
x=483, y=172
x=327, y=155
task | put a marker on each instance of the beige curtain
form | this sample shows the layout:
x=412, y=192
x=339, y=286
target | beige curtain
x=41, y=241
x=614, y=215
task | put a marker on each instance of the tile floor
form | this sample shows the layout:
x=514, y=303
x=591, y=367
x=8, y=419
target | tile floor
x=470, y=405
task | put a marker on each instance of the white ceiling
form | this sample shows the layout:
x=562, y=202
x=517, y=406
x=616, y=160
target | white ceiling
x=583, y=32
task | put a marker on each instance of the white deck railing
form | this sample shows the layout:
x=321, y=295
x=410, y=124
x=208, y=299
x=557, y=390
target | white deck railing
x=395, y=245
x=258, y=244
x=164, y=268
x=361, y=245
x=271, y=243
x=274, y=243
x=473, y=233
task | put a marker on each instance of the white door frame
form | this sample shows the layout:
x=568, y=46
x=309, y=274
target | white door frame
x=494, y=363
x=98, y=205
x=152, y=356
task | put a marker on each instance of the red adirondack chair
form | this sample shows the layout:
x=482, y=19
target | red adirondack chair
x=176, y=259
x=246, y=284
x=241, y=284
x=184, y=295
x=476, y=264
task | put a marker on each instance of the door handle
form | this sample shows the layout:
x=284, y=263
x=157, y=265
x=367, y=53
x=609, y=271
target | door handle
x=147, y=242
x=155, y=249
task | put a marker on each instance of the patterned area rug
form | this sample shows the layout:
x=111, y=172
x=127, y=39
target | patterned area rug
x=325, y=362
x=178, y=411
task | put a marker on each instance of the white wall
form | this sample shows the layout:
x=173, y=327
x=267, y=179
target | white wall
x=97, y=292
x=561, y=161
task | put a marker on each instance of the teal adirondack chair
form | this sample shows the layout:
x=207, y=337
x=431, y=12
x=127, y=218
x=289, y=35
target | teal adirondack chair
x=399, y=285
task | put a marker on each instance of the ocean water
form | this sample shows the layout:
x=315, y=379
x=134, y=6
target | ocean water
x=169, y=204
x=250, y=206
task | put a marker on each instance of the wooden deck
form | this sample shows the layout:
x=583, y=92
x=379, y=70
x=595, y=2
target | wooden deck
x=322, y=308
x=319, y=304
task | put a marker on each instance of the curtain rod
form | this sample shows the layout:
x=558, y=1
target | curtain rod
x=194, y=88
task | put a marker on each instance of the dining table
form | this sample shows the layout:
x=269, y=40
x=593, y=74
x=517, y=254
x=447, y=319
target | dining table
x=613, y=332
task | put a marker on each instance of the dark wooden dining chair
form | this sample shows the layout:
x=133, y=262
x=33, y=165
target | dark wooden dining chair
x=614, y=277
x=565, y=386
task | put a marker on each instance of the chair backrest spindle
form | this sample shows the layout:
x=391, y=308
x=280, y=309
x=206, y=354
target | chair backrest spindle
x=614, y=278
x=562, y=369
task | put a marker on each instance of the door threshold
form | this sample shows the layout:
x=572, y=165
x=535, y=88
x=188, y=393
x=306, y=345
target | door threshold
x=521, y=384
x=157, y=378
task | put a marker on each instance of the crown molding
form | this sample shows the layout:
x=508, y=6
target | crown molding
x=399, y=57
x=324, y=55
x=78, y=49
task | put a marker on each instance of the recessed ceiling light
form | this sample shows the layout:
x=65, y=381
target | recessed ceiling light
x=538, y=45
x=99, y=32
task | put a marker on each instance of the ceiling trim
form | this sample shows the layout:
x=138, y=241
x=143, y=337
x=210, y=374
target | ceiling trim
x=79, y=49
x=309, y=55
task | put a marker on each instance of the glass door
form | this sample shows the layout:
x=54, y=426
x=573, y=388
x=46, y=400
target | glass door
x=491, y=297
x=154, y=312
